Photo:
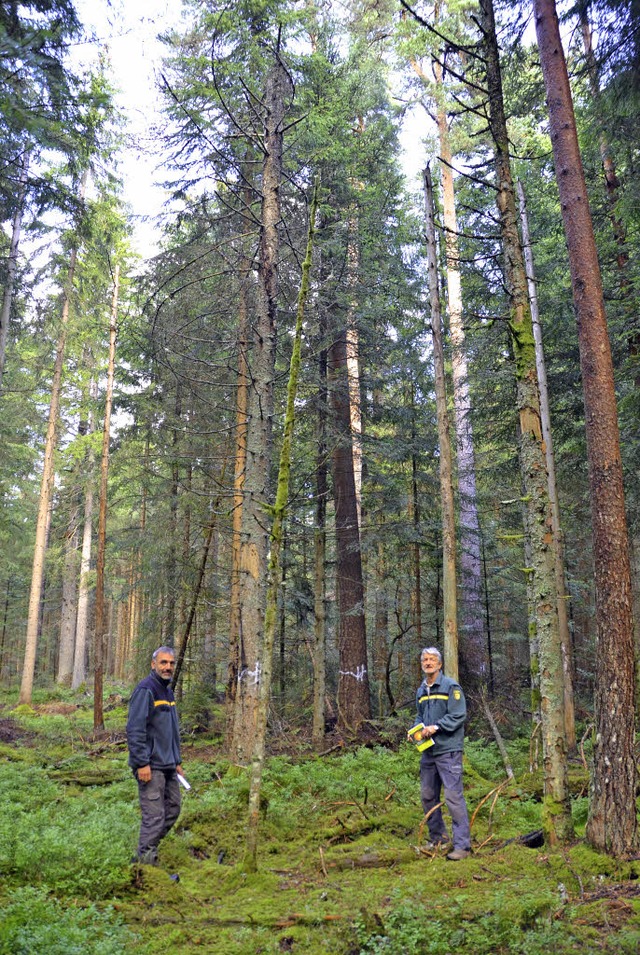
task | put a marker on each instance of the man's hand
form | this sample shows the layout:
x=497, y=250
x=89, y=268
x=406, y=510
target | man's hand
x=179, y=769
x=144, y=774
x=429, y=731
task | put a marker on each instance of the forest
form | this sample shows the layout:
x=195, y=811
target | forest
x=337, y=414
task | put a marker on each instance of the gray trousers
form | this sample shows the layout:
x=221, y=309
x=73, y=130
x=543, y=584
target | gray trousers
x=438, y=773
x=159, y=807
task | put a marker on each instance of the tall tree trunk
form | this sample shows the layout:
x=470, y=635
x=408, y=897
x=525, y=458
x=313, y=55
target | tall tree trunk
x=415, y=516
x=209, y=657
x=545, y=417
x=449, y=576
x=381, y=631
x=275, y=564
x=12, y=263
x=472, y=646
x=98, y=646
x=170, y=623
x=353, y=358
x=84, y=586
x=319, y=547
x=254, y=542
x=354, y=704
x=136, y=602
x=46, y=487
x=242, y=402
x=68, y=606
x=542, y=586
x=4, y=662
x=612, y=824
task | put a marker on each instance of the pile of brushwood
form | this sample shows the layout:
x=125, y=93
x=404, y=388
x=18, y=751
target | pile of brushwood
x=343, y=863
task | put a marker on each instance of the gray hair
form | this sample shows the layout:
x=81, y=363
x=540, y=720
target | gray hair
x=163, y=650
x=432, y=650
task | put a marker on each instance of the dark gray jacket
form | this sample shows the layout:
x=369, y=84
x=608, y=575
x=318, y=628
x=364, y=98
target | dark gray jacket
x=442, y=704
x=153, y=734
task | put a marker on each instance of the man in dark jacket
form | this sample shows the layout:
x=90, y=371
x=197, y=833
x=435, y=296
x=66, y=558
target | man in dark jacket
x=153, y=737
x=441, y=707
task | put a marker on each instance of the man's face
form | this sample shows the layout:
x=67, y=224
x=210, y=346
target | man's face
x=430, y=664
x=164, y=665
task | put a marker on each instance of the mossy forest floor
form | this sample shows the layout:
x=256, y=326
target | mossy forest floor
x=343, y=867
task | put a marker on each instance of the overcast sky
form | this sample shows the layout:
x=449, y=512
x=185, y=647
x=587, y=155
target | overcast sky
x=128, y=31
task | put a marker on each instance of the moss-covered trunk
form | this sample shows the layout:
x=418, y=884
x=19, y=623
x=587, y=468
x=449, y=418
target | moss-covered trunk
x=254, y=537
x=275, y=562
x=543, y=613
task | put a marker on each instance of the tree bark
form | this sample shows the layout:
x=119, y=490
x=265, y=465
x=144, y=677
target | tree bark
x=473, y=652
x=320, y=548
x=545, y=417
x=543, y=613
x=445, y=461
x=381, y=631
x=415, y=516
x=170, y=622
x=254, y=542
x=46, y=487
x=353, y=359
x=68, y=607
x=354, y=704
x=275, y=562
x=612, y=826
x=84, y=585
x=98, y=646
x=242, y=403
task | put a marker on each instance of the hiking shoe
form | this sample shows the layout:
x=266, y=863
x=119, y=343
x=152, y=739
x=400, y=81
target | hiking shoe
x=150, y=857
x=457, y=854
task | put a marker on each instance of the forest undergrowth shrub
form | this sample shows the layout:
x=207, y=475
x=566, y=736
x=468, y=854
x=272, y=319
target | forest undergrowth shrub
x=317, y=811
x=424, y=926
x=62, y=730
x=201, y=712
x=34, y=924
x=80, y=845
x=365, y=776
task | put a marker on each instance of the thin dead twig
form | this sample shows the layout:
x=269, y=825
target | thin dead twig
x=491, y=792
x=357, y=805
x=426, y=819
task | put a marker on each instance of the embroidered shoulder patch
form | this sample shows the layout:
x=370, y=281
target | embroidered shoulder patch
x=457, y=694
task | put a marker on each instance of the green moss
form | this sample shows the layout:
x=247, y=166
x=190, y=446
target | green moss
x=14, y=755
x=340, y=866
x=23, y=709
x=524, y=348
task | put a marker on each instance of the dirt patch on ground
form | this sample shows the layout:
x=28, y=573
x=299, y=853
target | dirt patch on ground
x=12, y=732
x=56, y=709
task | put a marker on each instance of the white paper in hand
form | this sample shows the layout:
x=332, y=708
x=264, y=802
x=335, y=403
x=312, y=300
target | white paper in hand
x=183, y=782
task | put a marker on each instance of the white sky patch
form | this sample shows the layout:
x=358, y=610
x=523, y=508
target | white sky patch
x=128, y=33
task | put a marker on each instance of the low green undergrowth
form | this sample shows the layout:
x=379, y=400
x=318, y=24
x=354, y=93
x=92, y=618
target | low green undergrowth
x=343, y=867
x=32, y=922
